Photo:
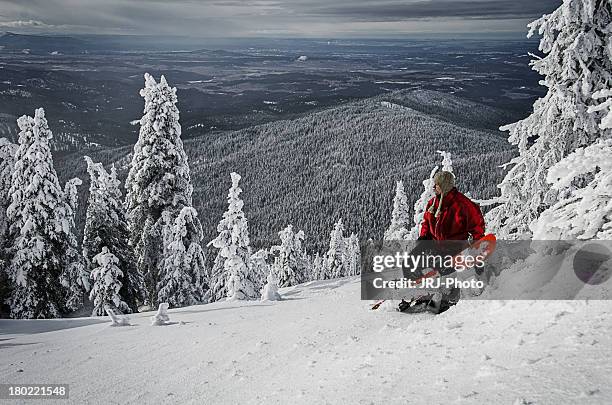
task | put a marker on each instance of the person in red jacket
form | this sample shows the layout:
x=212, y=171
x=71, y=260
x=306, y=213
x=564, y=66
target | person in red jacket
x=450, y=215
x=454, y=221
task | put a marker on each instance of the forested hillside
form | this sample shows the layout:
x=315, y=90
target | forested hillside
x=340, y=162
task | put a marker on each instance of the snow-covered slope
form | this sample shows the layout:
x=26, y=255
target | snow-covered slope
x=321, y=344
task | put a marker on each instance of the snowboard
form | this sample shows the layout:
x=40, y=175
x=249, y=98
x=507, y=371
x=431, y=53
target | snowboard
x=459, y=269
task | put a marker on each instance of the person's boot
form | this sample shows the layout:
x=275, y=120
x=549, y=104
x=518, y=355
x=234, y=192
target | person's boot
x=442, y=301
x=453, y=296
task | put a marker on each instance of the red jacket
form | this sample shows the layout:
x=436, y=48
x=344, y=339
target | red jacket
x=459, y=218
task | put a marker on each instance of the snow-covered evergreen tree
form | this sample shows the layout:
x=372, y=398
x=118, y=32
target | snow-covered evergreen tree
x=182, y=277
x=106, y=225
x=7, y=165
x=353, y=255
x=47, y=276
x=335, y=258
x=584, y=209
x=106, y=278
x=307, y=273
x=234, y=280
x=428, y=194
x=319, y=267
x=577, y=65
x=240, y=283
x=290, y=265
x=421, y=204
x=158, y=180
x=447, y=161
x=260, y=267
x=75, y=277
x=400, y=218
x=8, y=151
x=217, y=280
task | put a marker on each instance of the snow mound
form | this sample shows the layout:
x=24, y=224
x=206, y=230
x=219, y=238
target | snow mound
x=117, y=320
x=162, y=317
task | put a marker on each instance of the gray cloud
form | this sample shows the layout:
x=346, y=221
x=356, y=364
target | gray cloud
x=217, y=18
x=471, y=9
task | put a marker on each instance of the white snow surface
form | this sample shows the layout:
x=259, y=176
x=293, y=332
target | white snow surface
x=322, y=345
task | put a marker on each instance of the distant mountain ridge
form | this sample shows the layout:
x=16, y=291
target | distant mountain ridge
x=78, y=44
x=453, y=109
x=339, y=162
x=344, y=162
x=10, y=41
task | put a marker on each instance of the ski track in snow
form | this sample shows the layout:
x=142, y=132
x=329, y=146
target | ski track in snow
x=322, y=345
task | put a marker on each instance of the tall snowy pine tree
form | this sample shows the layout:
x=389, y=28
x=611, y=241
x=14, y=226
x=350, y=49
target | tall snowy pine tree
x=8, y=151
x=44, y=267
x=182, y=275
x=290, y=264
x=353, y=255
x=336, y=265
x=7, y=165
x=74, y=277
x=318, y=268
x=158, y=181
x=106, y=278
x=106, y=225
x=584, y=211
x=400, y=217
x=576, y=40
x=231, y=276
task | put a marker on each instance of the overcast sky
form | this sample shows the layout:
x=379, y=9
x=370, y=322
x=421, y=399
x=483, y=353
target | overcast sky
x=279, y=18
